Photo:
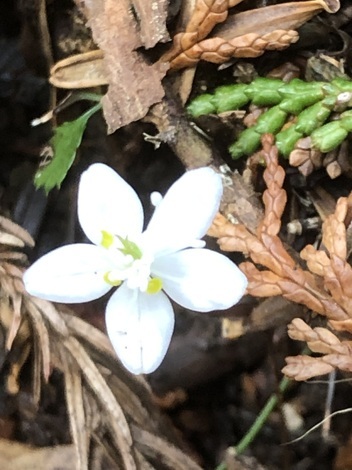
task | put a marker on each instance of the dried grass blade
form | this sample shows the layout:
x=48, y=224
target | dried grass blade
x=16, y=320
x=117, y=420
x=8, y=226
x=10, y=240
x=75, y=408
x=51, y=314
x=157, y=448
x=42, y=335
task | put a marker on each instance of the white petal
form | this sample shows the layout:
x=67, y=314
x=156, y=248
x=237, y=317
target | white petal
x=72, y=274
x=186, y=212
x=201, y=279
x=140, y=327
x=107, y=202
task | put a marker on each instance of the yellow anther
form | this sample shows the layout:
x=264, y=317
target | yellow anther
x=111, y=281
x=154, y=285
x=107, y=239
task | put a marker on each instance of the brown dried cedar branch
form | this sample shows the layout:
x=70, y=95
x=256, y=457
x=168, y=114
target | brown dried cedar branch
x=306, y=367
x=274, y=197
x=337, y=354
x=218, y=50
x=206, y=14
x=319, y=340
x=334, y=269
x=284, y=276
x=258, y=28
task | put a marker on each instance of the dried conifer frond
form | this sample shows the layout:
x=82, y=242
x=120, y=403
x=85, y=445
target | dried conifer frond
x=274, y=197
x=325, y=288
x=305, y=367
x=108, y=409
x=266, y=249
x=218, y=50
x=206, y=15
x=333, y=266
x=246, y=34
x=319, y=340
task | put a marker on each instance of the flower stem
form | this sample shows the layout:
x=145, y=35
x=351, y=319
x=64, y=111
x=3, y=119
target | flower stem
x=259, y=422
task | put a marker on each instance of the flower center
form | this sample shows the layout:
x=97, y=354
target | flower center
x=130, y=265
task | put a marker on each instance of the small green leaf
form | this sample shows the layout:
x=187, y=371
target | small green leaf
x=66, y=140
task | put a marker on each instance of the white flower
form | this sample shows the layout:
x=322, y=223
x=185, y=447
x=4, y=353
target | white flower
x=166, y=258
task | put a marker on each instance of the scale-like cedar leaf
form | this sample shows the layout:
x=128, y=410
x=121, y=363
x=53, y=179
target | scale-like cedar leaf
x=65, y=142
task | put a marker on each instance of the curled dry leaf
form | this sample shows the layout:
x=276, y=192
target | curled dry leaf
x=79, y=71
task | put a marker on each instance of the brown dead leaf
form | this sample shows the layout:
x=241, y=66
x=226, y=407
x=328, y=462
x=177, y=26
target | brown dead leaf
x=264, y=20
x=134, y=83
x=79, y=71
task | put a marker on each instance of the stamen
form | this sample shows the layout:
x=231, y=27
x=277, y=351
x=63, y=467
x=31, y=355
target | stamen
x=108, y=278
x=154, y=285
x=107, y=239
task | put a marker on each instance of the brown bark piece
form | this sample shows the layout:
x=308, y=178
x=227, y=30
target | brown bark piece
x=134, y=84
x=152, y=21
